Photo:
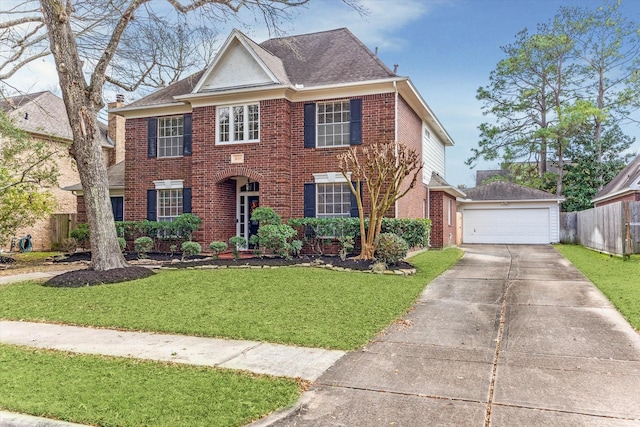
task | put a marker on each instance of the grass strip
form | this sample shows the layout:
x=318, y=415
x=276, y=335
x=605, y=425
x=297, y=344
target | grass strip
x=619, y=280
x=299, y=306
x=109, y=391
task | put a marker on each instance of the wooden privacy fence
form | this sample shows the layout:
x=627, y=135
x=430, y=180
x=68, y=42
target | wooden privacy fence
x=613, y=228
x=61, y=226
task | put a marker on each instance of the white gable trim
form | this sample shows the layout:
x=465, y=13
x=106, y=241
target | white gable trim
x=229, y=44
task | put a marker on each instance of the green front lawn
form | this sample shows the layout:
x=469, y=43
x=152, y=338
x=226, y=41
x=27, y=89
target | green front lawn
x=300, y=306
x=619, y=280
x=110, y=391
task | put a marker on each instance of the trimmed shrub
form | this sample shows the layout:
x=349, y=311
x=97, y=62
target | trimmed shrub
x=277, y=239
x=236, y=243
x=391, y=248
x=190, y=249
x=346, y=246
x=217, y=248
x=266, y=216
x=81, y=234
x=142, y=245
x=184, y=225
x=122, y=243
x=414, y=231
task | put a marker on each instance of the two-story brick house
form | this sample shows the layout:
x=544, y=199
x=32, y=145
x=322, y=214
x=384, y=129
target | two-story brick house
x=263, y=124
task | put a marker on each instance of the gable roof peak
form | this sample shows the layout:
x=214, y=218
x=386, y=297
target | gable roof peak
x=259, y=67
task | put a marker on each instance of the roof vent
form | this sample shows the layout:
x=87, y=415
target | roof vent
x=26, y=116
x=119, y=97
x=395, y=68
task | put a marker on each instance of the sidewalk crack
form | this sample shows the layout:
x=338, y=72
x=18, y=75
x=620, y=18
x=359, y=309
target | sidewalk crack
x=503, y=311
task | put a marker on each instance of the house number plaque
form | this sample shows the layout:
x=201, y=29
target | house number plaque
x=237, y=158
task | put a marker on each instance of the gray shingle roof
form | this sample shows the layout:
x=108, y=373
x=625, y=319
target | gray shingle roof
x=165, y=95
x=503, y=190
x=115, y=177
x=628, y=177
x=327, y=57
x=44, y=113
x=324, y=58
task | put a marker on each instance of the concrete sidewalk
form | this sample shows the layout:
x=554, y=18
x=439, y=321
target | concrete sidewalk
x=510, y=336
x=258, y=357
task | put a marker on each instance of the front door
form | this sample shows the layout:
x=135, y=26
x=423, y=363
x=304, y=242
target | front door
x=248, y=200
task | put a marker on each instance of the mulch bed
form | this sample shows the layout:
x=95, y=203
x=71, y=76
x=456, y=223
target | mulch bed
x=80, y=278
x=6, y=260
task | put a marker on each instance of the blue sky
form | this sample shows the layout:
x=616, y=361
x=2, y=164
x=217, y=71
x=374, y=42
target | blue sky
x=447, y=47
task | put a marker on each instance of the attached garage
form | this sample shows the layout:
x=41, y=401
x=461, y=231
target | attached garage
x=505, y=213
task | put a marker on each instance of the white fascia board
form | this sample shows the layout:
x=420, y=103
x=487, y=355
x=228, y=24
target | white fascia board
x=152, y=110
x=235, y=96
x=614, y=195
x=293, y=93
x=410, y=93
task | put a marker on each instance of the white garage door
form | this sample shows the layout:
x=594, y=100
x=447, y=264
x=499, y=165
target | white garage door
x=517, y=226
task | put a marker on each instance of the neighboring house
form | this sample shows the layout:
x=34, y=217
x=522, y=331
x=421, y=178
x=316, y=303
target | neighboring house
x=506, y=174
x=625, y=187
x=262, y=126
x=43, y=116
x=115, y=168
x=503, y=212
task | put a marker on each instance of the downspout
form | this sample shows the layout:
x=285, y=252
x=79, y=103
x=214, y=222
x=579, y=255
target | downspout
x=395, y=136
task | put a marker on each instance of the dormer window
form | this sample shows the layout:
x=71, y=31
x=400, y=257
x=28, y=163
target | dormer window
x=238, y=124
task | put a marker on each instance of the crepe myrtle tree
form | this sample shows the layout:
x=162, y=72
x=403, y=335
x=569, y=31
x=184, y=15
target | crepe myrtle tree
x=94, y=42
x=383, y=169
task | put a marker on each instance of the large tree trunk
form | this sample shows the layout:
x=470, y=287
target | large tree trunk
x=82, y=102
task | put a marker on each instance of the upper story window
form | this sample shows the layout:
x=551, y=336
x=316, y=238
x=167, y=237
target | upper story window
x=170, y=134
x=334, y=124
x=239, y=123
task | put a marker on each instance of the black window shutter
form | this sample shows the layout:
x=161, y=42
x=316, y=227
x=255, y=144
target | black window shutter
x=354, y=203
x=309, y=200
x=186, y=134
x=309, y=125
x=186, y=200
x=152, y=205
x=152, y=137
x=356, y=122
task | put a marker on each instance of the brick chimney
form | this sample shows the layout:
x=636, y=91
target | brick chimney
x=116, y=129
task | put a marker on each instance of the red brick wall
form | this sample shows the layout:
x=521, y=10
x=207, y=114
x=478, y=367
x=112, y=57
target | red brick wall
x=632, y=197
x=141, y=171
x=410, y=135
x=279, y=162
x=443, y=234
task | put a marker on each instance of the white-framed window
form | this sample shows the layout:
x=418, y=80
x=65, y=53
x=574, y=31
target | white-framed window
x=333, y=200
x=449, y=212
x=238, y=123
x=169, y=199
x=170, y=136
x=169, y=204
x=333, y=123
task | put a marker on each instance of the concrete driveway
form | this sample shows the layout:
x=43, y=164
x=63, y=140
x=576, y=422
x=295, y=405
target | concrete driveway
x=511, y=336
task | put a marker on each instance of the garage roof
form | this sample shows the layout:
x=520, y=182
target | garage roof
x=503, y=191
